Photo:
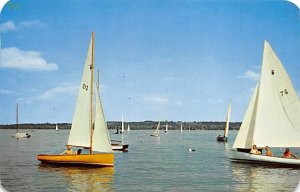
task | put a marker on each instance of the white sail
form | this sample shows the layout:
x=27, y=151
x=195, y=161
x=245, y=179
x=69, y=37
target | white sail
x=122, y=123
x=166, y=127
x=128, y=127
x=56, y=127
x=101, y=140
x=244, y=137
x=278, y=107
x=156, y=132
x=227, y=120
x=274, y=117
x=181, y=128
x=80, y=130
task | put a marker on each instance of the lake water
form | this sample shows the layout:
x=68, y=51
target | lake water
x=152, y=164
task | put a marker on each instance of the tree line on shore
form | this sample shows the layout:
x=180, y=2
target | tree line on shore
x=145, y=125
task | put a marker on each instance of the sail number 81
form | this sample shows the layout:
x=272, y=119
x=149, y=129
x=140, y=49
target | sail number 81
x=85, y=87
x=284, y=92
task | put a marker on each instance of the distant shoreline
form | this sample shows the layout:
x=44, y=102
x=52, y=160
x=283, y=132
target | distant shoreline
x=144, y=125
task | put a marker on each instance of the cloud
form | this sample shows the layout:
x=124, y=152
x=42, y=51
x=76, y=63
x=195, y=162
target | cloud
x=30, y=24
x=7, y=26
x=250, y=75
x=11, y=26
x=6, y=91
x=15, y=58
x=63, y=89
x=157, y=99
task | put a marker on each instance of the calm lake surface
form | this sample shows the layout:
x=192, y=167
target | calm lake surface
x=152, y=164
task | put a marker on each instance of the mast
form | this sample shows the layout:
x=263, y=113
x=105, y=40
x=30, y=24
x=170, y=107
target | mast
x=91, y=95
x=17, y=118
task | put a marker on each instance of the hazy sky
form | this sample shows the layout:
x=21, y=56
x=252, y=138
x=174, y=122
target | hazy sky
x=158, y=59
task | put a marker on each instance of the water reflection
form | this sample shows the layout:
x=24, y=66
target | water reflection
x=263, y=178
x=84, y=179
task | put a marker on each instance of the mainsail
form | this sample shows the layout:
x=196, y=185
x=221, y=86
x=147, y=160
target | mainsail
x=181, y=128
x=123, y=123
x=156, y=132
x=273, y=115
x=227, y=120
x=80, y=131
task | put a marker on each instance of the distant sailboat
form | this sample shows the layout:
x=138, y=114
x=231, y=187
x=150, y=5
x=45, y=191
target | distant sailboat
x=18, y=134
x=128, y=128
x=122, y=129
x=89, y=128
x=119, y=145
x=273, y=115
x=181, y=128
x=224, y=138
x=116, y=130
x=166, y=130
x=156, y=132
x=56, y=127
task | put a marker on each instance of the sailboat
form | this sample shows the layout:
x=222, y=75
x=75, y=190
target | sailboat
x=122, y=129
x=128, y=128
x=18, y=134
x=56, y=127
x=89, y=128
x=156, y=132
x=119, y=145
x=224, y=138
x=273, y=115
x=181, y=128
x=116, y=130
x=166, y=130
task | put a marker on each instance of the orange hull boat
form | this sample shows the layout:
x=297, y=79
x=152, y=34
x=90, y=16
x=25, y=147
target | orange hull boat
x=98, y=159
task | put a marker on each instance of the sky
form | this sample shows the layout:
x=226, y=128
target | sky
x=179, y=60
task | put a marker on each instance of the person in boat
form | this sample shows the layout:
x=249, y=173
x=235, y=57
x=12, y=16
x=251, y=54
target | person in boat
x=255, y=151
x=68, y=151
x=288, y=154
x=79, y=151
x=268, y=151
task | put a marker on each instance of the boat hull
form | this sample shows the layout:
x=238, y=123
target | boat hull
x=222, y=139
x=119, y=147
x=99, y=159
x=22, y=135
x=154, y=135
x=243, y=157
